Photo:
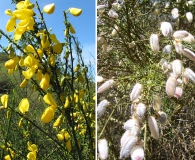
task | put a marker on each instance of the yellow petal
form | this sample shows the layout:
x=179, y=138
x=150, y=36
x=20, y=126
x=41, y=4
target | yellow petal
x=68, y=145
x=39, y=75
x=20, y=123
x=57, y=48
x=32, y=148
x=58, y=121
x=53, y=38
x=22, y=14
x=75, y=11
x=24, y=105
x=20, y=5
x=11, y=64
x=48, y=115
x=11, y=23
x=52, y=60
x=67, y=103
x=49, y=9
x=31, y=156
x=24, y=83
x=8, y=12
x=45, y=81
x=4, y=100
x=29, y=73
x=48, y=98
x=60, y=136
x=72, y=30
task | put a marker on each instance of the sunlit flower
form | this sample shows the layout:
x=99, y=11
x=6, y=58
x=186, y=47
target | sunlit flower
x=75, y=11
x=24, y=105
x=48, y=99
x=32, y=155
x=11, y=64
x=49, y=9
x=24, y=83
x=48, y=115
x=4, y=100
x=45, y=81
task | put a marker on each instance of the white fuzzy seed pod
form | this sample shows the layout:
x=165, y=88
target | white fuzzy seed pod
x=125, y=136
x=115, y=31
x=153, y=126
x=101, y=108
x=101, y=8
x=189, y=16
x=135, y=93
x=137, y=153
x=141, y=110
x=112, y=14
x=177, y=67
x=127, y=146
x=188, y=74
x=189, y=39
x=105, y=86
x=162, y=117
x=180, y=34
x=175, y=13
x=132, y=125
x=103, y=149
x=189, y=54
x=99, y=79
x=178, y=46
x=166, y=29
x=154, y=43
x=167, y=49
x=171, y=85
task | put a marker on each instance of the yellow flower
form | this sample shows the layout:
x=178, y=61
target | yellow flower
x=4, y=100
x=48, y=98
x=29, y=73
x=31, y=61
x=22, y=14
x=11, y=64
x=72, y=30
x=24, y=105
x=52, y=59
x=49, y=9
x=48, y=115
x=45, y=80
x=58, y=121
x=67, y=102
x=60, y=136
x=11, y=23
x=75, y=11
x=32, y=155
x=57, y=48
x=20, y=122
x=39, y=75
x=69, y=145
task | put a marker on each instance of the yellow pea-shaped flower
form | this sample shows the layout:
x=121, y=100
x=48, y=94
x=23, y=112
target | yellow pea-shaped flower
x=24, y=83
x=60, y=136
x=49, y=9
x=11, y=23
x=11, y=64
x=75, y=11
x=48, y=98
x=68, y=145
x=58, y=121
x=29, y=73
x=24, y=105
x=67, y=102
x=45, y=81
x=48, y=115
x=4, y=100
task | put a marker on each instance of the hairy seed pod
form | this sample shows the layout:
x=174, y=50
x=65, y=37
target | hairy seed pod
x=99, y=79
x=167, y=49
x=132, y=109
x=189, y=39
x=153, y=126
x=166, y=29
x=103, y=149
x=106, y=86
x=154, y=43
x=141, y=110
x=129, y=124
x=178, y=92
x=171, y=85
x=189, y=16
x=189, y=54
x=101, y=108
x=137, y=152
x=180, y=34
x=101, y=8
x=162, y=117
x=112, y=14
x=125, y=136
x=135, y=93
x=177, y=67
x=188, y=74
x=115, y=31
x=100, y=40
x=178, y=46
x=127, y=146
x=175, y=13
x=156, y=103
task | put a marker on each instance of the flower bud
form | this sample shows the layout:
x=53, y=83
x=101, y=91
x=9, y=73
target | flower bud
x=171, y=86
x=177, y=67
x=141, y=110
x=154, y=43
x=135, y=93
x=101, y=108
x=189, y=16
x=189, y=54
x=127, y=146
x=105, y=86
x=156, y=103
x=175, y=13
x=152, y=123
x=180, y=34
x=103, y=148
x=166, y=29
x=167, y=49
x=162, y=117
x=178, y=92
x=137, y=153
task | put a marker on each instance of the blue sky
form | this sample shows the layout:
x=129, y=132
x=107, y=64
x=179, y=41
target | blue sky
x=84, y=24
